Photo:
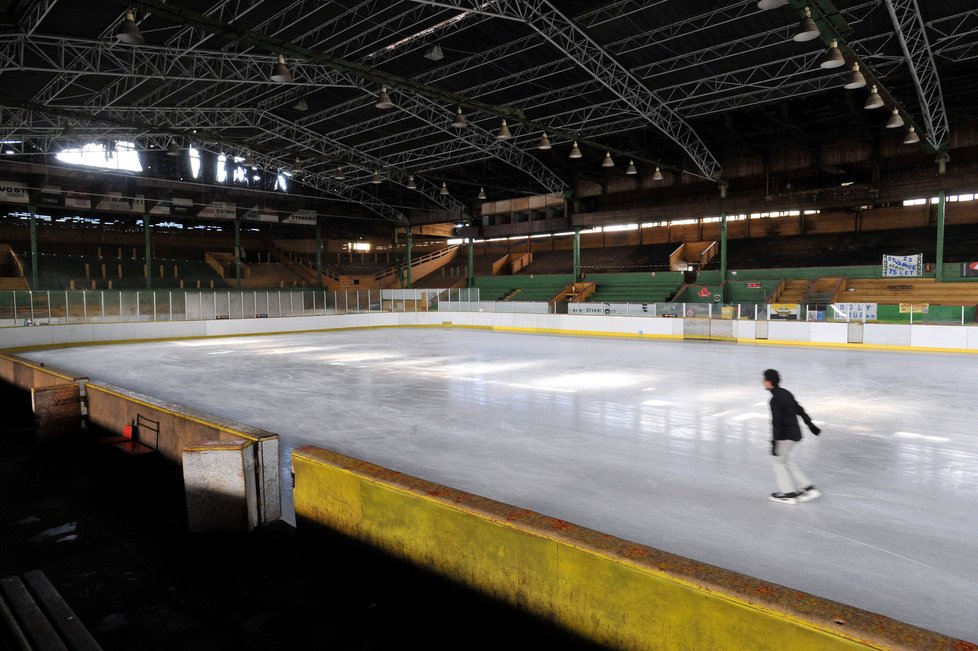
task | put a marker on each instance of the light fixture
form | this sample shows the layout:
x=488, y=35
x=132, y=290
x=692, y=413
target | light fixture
x=434, y=53
x=280, y=73
x=339, y=174
x=856, y=79
x=503, y=133
x=912, y=137
x=301, y=105
x=657, y=175
x=544, y=142
x=444, y=189
x=172, y=148
x=297, y=166
x=249, y=160
x=383, y=99
x=771, y=4
x=482, y=194
x=631, y=169
x=607, y=162
x=874, y=101
x=460, y=121
x=575, y=151
x=411, y=184
x=129, y=31
x=832, y=57
x=807, y=29
x=895, y=121
x=375, y=179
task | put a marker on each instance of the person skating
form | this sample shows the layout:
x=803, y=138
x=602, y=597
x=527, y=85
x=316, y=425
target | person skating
x=793, y=484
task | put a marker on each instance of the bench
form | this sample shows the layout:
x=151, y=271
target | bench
x=33, y=615
x=130, y=442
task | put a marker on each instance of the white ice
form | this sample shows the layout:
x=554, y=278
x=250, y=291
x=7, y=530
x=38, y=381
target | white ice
x=664, y=443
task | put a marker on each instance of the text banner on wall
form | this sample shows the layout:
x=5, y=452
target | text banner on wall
x=903, y=265
x=856, y=311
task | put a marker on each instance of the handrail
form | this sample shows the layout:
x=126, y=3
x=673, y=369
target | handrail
x=778, y=291
x=427, y=257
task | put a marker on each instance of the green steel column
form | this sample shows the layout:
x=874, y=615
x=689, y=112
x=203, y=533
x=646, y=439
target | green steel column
x=941, y=198
x=408, y=257
x=471, y=269
x=33, y=210
x=577, y=254
x=237, y=251
x=319, y=256
x=723, y=247
x=147, y=222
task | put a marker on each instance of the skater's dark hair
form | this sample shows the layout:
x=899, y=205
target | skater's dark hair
x=772, y=376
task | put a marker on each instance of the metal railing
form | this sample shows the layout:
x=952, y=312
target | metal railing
x=32, y=308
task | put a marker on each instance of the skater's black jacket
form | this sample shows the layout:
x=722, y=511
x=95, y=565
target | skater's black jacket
x=784, y=417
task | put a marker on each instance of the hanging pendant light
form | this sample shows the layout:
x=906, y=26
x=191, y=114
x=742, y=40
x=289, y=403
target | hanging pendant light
x=129, y=31
x=280, y=73
x=631, y=169
x=172, y=148
x=383, y=99
x=832, y=57
x=339, y=174
x=657, y=175
x=856, y=79
x=874, y=101
x=807, y=29
x=460, y=121
x=411, y=185
x=503, y=133
x=575, y=151
x=249, y=160
x=771, y=4
x=296, y=166
x=544, y=143
x=912, y=137
x=444, y=189
x=482, y=194
x=375, y=179
x=607, y=162
x=895, y=121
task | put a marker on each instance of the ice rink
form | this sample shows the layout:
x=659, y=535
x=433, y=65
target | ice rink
x=664, y=443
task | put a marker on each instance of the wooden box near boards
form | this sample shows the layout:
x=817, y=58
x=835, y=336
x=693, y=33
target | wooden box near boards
x=57, y=411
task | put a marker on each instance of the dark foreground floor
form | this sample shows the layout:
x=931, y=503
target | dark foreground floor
x=110, y=533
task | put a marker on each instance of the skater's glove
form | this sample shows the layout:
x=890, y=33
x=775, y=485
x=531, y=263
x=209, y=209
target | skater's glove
x=816, y=430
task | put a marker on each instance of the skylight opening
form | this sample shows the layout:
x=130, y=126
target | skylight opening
x=120, y=155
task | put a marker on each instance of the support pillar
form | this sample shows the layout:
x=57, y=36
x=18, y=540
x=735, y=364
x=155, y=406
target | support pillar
x=471, y=269
x=723, y=247
x=319, y=256
x=147, y=224
x=577, y=253
x=237, y=252
x=407, y=257
x=33, y=213
x=939, y=262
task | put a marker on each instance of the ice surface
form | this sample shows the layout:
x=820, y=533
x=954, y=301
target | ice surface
x=664, y=443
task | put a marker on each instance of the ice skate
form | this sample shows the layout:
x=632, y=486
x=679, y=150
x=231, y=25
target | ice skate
x=809, y=494
x=786, y=498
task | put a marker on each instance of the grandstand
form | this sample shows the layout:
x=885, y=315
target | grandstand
x=317, y=245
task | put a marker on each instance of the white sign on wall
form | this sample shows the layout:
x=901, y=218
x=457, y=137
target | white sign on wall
x=611, y=309
x=13, y=192
x=855, y=311
x=303, y=216
x=903, y=265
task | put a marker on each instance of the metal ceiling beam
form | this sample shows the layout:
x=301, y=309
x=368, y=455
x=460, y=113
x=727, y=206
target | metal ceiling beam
x=912, y=34
x=955, y=38
x=563, y=34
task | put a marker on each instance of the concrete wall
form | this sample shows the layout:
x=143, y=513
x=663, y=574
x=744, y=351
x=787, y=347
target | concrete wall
x=613, y=591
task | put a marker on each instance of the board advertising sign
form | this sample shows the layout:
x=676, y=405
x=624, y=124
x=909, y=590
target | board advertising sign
x=969, y=269
x=785, y=311
x=903, y=265
x=302, y=216
x=13, y=192
x=855, y=311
